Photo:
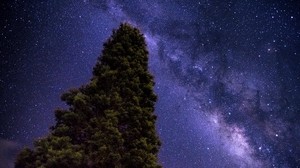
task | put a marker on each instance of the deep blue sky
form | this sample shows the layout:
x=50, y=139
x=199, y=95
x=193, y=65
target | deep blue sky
x=227, y=74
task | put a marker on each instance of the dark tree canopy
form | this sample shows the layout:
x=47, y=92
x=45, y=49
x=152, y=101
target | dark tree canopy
x=110, y=122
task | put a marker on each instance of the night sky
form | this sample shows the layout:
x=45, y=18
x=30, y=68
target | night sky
x=227, y=74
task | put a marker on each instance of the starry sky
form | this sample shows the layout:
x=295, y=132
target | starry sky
x=227, y=74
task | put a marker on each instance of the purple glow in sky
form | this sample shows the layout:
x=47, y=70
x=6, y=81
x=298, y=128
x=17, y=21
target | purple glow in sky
x=227, y=74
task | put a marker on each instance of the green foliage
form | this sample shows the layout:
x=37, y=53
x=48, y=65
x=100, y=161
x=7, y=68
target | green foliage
x=110, y=122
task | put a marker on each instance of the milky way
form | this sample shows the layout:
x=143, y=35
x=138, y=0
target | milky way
x=227, y=74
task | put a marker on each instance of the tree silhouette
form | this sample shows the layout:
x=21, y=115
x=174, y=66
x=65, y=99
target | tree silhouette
x=110, y=121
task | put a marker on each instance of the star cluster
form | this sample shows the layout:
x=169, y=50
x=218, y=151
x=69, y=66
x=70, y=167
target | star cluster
x=227, y=74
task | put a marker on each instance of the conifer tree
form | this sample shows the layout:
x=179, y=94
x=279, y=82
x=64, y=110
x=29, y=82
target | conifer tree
x=110, y=122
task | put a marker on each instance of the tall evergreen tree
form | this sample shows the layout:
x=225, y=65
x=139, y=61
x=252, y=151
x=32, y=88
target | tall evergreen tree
x=110, y=122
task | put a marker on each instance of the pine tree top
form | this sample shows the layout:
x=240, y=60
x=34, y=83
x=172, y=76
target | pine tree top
x=126, y=45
